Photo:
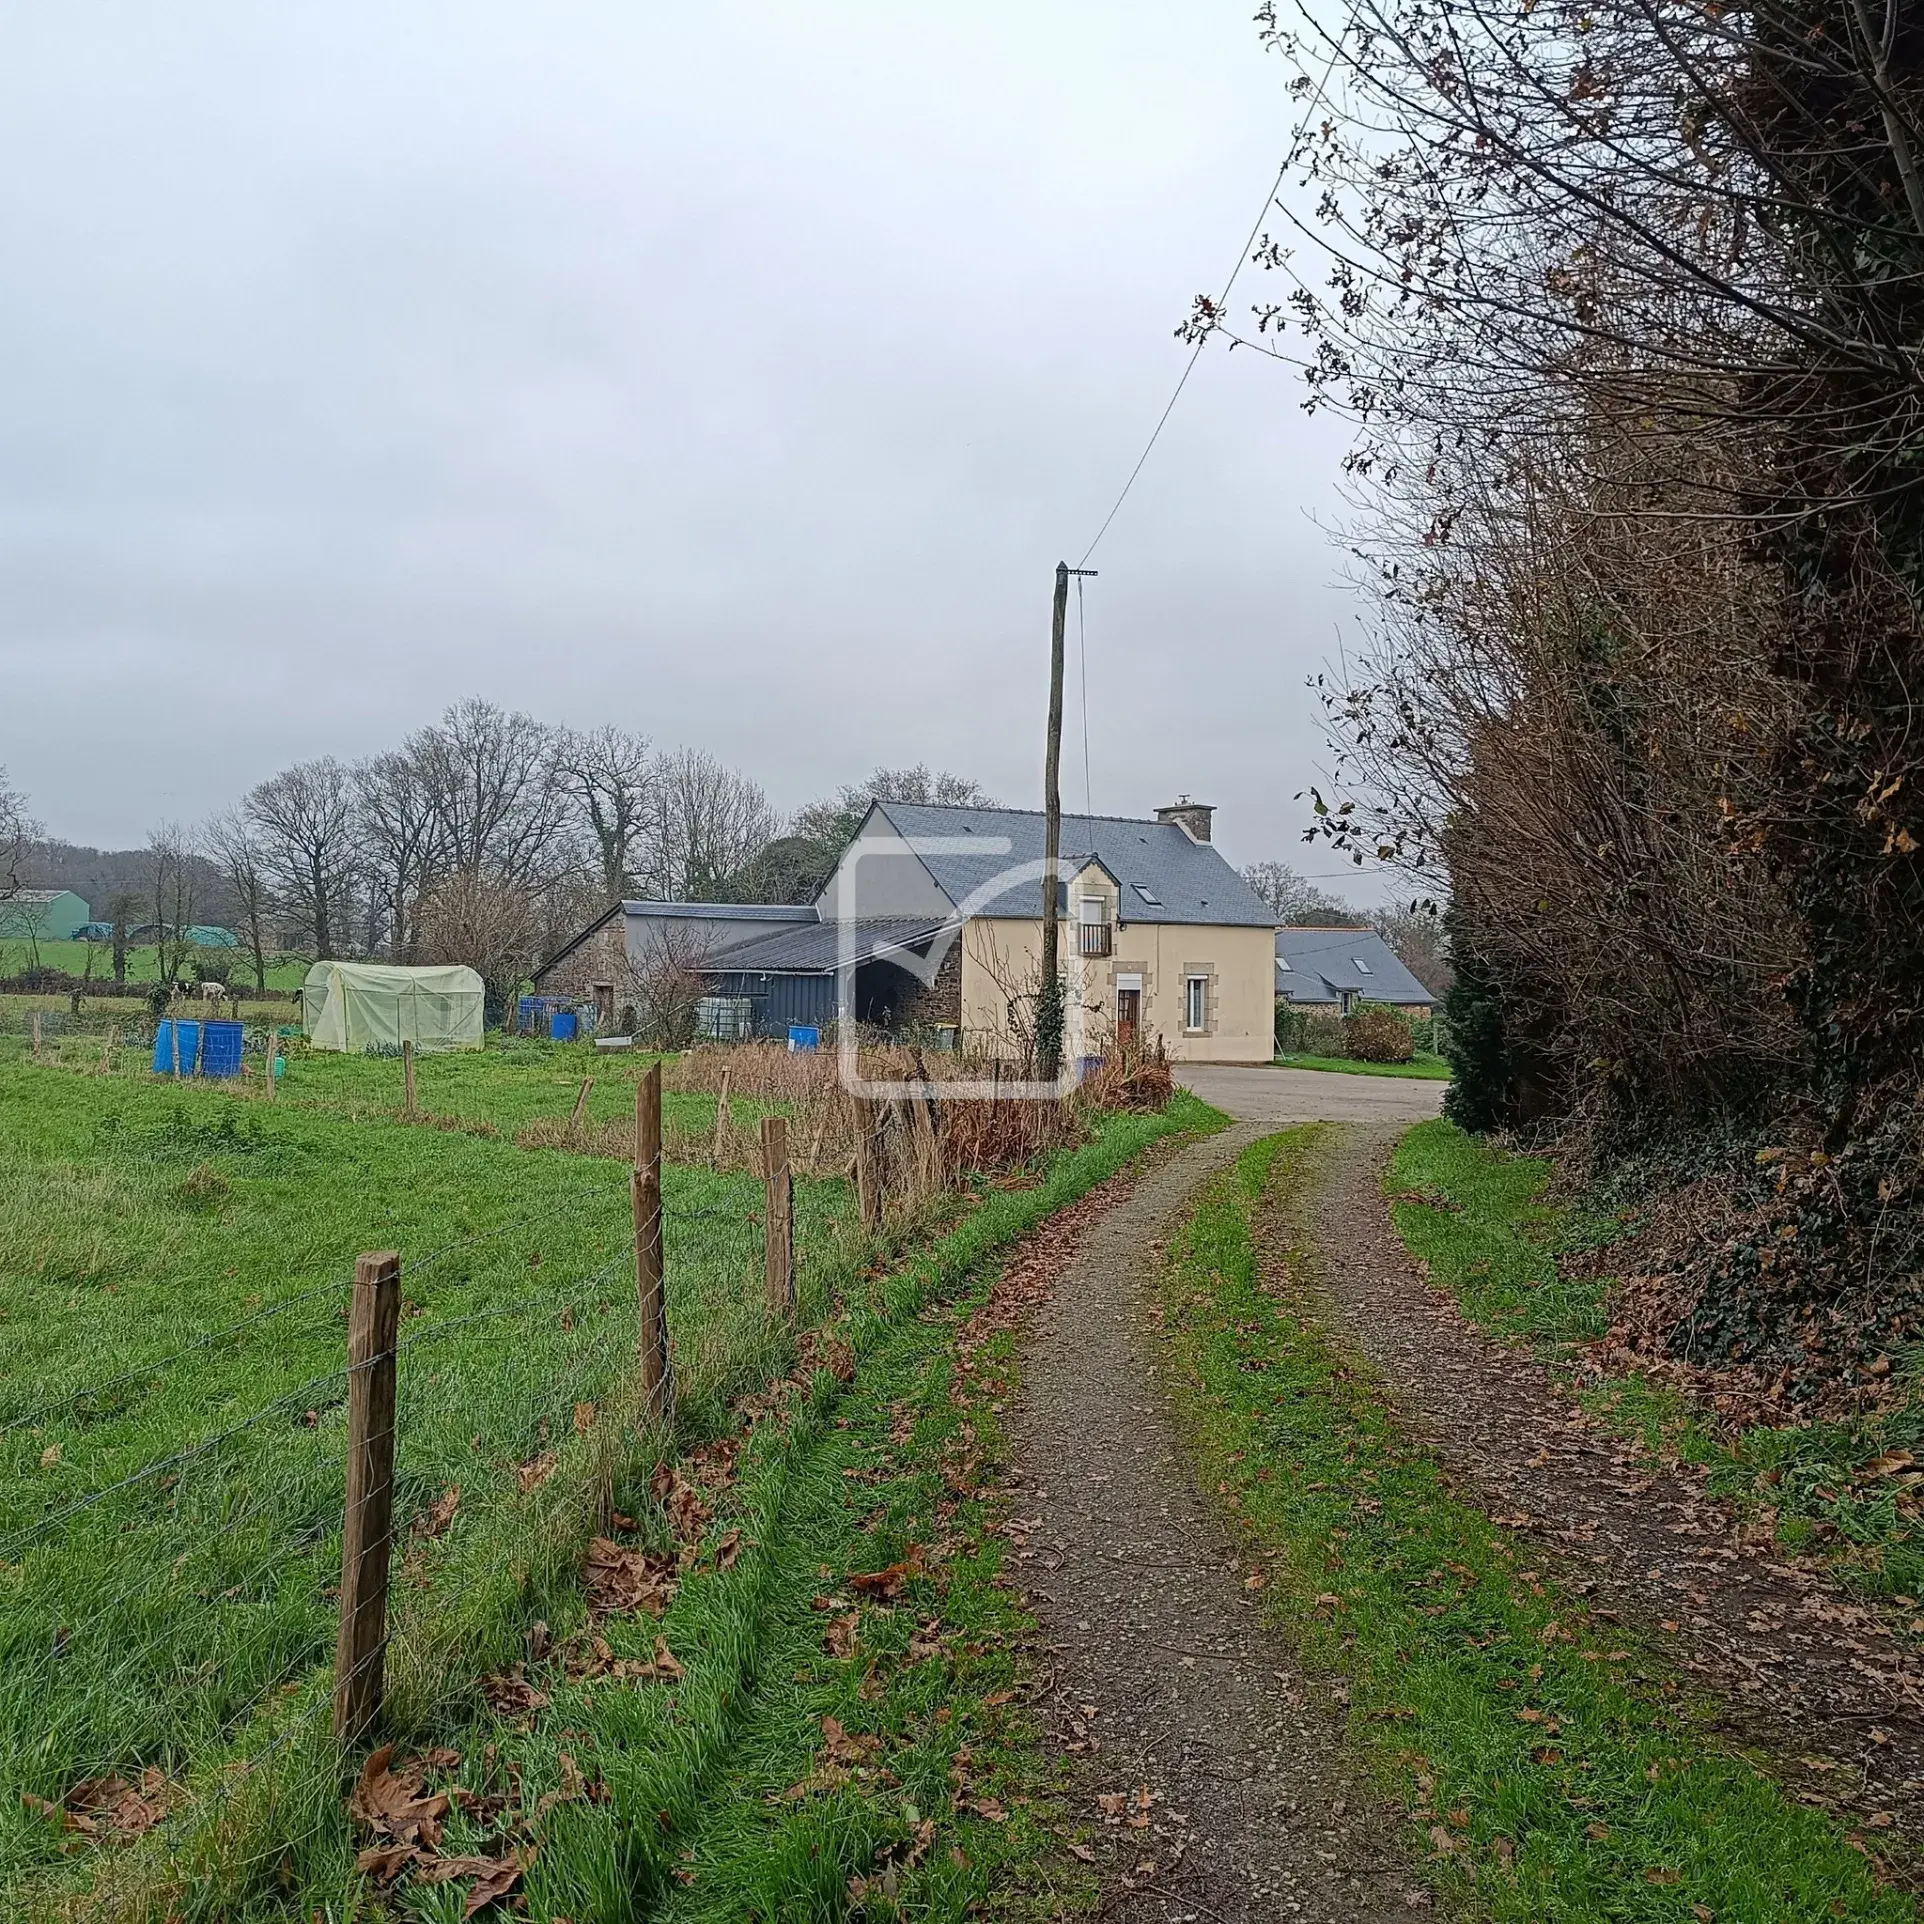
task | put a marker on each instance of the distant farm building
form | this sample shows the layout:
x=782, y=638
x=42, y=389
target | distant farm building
x=42, y=915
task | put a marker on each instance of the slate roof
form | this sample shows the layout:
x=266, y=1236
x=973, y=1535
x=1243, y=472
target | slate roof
x=1190, y=881
x=1323, y=965
x=814, y=947
x=723, y=911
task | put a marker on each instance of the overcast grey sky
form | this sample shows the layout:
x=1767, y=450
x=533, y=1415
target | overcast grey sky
x=736, y=374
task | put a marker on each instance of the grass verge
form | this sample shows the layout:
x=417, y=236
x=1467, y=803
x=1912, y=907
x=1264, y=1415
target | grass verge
x=1422, y=1068
x=1551, y=1768
x=1477, y=1217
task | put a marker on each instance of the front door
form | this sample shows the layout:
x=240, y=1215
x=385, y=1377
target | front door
x=1128, y=1017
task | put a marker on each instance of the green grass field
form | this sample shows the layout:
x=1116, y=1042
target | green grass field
x=1423, y=1068
x=143, y=963
x=172, y=1293
x=1551, y=1766
x=1478, y=1218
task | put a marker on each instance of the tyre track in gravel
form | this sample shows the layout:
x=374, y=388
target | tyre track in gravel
x=1211, y=1772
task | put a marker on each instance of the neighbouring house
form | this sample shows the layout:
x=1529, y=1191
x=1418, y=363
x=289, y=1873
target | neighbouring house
x=933, y=919
x=1329, y=971
x=42, y=915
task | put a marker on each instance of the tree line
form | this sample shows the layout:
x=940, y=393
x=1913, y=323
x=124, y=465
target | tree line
x=487, y=837
x=1626, y=300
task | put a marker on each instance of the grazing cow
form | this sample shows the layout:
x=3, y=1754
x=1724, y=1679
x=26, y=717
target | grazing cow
x=214, y=994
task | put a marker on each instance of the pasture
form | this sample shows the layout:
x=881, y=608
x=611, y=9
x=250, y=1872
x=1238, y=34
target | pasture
x=173, y=1284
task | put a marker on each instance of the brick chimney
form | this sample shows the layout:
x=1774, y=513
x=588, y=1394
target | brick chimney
x=1191, y=817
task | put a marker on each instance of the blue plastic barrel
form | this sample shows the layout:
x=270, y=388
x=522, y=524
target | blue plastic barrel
x=220, y=1051
x=182, y=1035
x=562, y=1025
x=803, y=1035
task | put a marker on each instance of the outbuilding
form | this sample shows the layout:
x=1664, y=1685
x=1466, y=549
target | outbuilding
x=356, y=1006
x=43, y=915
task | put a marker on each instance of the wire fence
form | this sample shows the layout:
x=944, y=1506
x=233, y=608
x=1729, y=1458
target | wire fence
x=170, y=1621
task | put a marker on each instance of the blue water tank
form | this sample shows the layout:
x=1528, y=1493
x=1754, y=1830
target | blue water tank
x=221, y=1046
x=563, y=1025
x=172, y=1035
x=803, y=1035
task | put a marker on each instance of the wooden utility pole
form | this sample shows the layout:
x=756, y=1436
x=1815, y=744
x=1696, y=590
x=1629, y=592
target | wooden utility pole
x=778, y=1216
x=650, y=1284
x=1048, y=1018
x=367, y=1524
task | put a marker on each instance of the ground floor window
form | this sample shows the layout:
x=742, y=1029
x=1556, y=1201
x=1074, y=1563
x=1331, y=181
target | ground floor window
x=1196, y=1004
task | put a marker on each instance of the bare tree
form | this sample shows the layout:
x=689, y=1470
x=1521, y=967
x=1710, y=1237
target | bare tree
x=609, y=776
x=1296, y=902
x=492, y=925
x=403, y=837
x=306, y=821
x=1415, y=935
x=173, y=870
x=231, y=844
x=499, y=801
x=18, y=832
x=665, y=981
x=705, y=823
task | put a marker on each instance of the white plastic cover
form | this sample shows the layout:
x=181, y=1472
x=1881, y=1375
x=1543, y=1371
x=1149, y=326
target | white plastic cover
x=353, y=1006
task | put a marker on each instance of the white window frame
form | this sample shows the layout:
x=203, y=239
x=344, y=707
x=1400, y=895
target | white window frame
x=1195, y=999
x=1092, y=910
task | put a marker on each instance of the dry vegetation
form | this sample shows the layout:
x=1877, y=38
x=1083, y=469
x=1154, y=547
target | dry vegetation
x=1626, y=298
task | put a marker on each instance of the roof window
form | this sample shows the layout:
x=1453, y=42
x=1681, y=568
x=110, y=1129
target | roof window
x=1147, y=893
x=1362, y=967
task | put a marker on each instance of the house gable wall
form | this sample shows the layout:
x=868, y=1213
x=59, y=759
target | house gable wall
x=879, y=876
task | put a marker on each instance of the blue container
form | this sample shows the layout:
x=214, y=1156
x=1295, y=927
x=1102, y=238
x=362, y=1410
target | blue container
x=803, y=1035
x=563, y=1025
x=172, y=1035
x=220, y=1049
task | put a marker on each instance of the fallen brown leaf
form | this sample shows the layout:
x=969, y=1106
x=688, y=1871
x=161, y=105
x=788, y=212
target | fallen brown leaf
x=888, y=1584
x=687, y=1513
x=510, y=1694
x=434, y=1520
x=537, y=1470
x=620, y=1580
x=389, y=1802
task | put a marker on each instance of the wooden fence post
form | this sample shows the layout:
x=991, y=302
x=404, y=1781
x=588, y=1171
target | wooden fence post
x=581, y=1103
x=868, y=1164
x=778, y=1216
x=367, y=1525
x=407, y=1074
x=722, y=1120
x=656, y=1383
x=928, y=1146
x=272, y=1041
x=36, y=1035
x=107, y=1054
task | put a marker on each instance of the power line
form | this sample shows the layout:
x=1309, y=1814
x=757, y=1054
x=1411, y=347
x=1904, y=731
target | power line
x=1222, y=300
x=1189, y=366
